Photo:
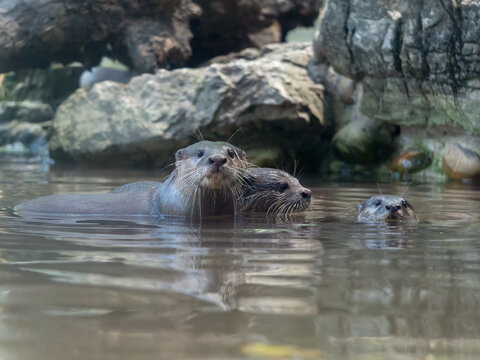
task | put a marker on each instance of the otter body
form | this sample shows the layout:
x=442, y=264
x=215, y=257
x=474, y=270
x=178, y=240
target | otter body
x=139, y=203
x=137, y=186
x=273, y=191
x=206, y=182
x=386, y=208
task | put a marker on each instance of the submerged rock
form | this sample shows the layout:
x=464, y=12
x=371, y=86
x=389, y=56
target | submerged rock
x=26, y=111
x=461, y=160
x=364, y=141
x=410, y=162
x=270, y=97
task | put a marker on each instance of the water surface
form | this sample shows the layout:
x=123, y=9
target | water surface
x=316, y=286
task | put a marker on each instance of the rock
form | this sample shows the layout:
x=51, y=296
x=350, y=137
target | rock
x=25, y=111
x=145, y=35
x=410, y=162
x=417, y=61
x=22, y=132
x=341, y=87
x=98, y=74
x=364, y=141
x=263, y=157
x=50, y=86
x=461, y=160
x=227, y=26
x=271, y=98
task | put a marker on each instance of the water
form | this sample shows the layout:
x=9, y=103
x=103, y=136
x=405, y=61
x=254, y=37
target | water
x=317, y=286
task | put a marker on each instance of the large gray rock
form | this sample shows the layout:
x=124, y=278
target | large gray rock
x=271, y=98
x=418, y=61
x=144, y=34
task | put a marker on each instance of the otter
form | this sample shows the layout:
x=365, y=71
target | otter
x=386, y=208
x=206, y=181
x=274, y=192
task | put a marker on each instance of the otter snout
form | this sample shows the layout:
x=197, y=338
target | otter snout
x=306, y=194
x=393, y=208
x=217, y=160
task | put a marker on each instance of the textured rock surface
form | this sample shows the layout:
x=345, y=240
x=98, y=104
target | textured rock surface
x=25, y=123
x=27, y=111
x=50, y=86
x=418, y=61
x=144, y=34
x=271, y=98
x=461, y=159
x=231, y=25
x=364, y=141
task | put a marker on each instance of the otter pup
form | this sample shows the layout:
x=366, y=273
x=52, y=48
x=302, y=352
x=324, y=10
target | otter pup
x=385, y=208
x=273, y=191
x=207, y=180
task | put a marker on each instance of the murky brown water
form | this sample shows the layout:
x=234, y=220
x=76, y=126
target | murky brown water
x=317, y=286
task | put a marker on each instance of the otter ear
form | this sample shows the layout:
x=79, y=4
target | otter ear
x=243, y=154
x=180, y=155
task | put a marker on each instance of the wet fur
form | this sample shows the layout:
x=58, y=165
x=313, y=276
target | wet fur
x=369, y=211
x=195, y=188
x=264, y=193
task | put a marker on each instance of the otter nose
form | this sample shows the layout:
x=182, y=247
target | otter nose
x=306, y=194
x=217, y=160
x=392, y=207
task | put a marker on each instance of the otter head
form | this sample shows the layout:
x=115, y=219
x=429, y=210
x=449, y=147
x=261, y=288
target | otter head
x=386, y=208
x=210, y=165
x=274, y=191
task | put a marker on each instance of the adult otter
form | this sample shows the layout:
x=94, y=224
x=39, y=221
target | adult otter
x=385, y=208
x=273, y=191
x=206, y=181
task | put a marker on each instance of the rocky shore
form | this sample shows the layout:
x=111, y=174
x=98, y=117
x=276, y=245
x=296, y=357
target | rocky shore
x=386, y=89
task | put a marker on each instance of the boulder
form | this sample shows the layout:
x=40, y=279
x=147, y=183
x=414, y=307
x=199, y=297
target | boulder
x=417, y=61
x=364, y=141
x=270, y=98
x=145, y=35
x=410, y=162
x=461, y=160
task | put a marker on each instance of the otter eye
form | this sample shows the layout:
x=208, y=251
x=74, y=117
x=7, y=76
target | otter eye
x=283, y=186
x=230, y=153
x=200, y=153
x=404, y=204
x=377, y=202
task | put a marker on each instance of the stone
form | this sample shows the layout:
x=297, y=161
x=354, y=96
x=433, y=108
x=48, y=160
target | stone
x=25, y=111
x=25, y=133
x=461, y=160
x=417, y=61
x=270, y=98
x=99, y=73
x=364, y=141
x=145, y=35
x=410, y=162
x=50, y=86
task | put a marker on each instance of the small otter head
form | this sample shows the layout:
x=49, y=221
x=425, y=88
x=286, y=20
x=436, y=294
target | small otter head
x=210, y=165
x=386, y=208
x=274, y=191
